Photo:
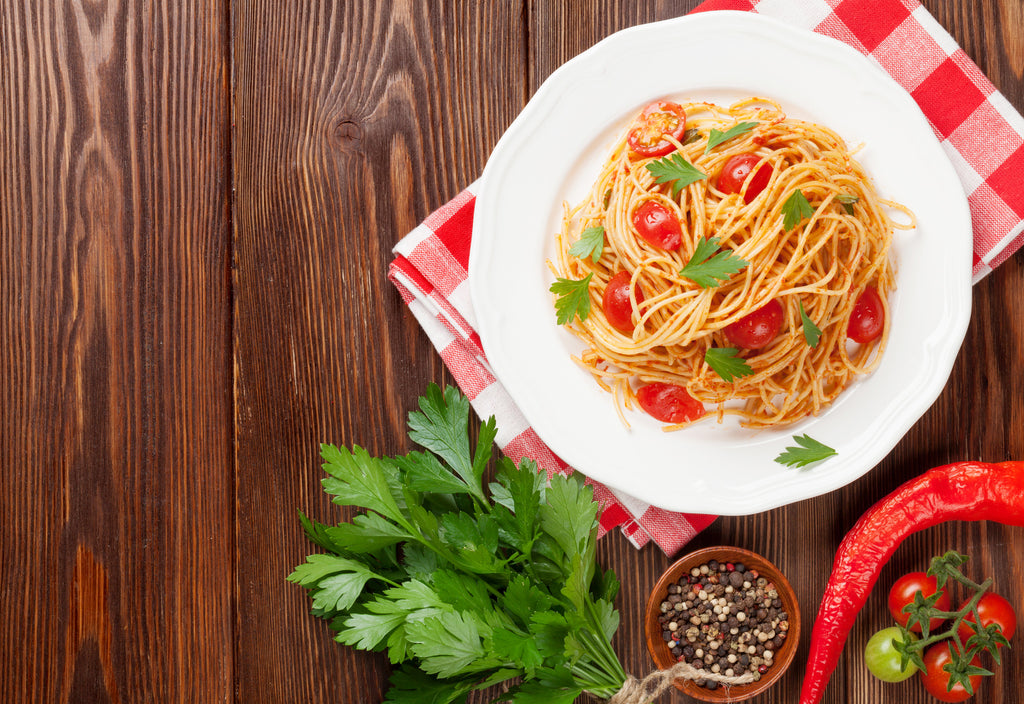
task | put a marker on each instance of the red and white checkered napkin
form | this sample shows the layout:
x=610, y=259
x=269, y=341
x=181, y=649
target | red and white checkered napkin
x=980, y=131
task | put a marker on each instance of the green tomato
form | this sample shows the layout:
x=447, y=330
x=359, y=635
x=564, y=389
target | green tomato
x=883, y=660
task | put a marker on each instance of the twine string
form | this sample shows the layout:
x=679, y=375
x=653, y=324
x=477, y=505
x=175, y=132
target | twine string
x=652, y=686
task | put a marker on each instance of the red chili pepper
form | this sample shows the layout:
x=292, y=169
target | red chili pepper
x=967, y=491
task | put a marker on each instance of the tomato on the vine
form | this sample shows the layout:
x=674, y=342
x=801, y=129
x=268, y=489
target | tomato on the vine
x=882, y=658
x=617, y=308
x=658, y=119
x=669, y=403
x=735, y=172
x=755, y=330
x=936, y=679
x=868, y=317
x=992, y=608
x=658, y=225
x=902, y=593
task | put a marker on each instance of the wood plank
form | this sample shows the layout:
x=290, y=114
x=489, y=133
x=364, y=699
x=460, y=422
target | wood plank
x=115, y=366
x=354, y=120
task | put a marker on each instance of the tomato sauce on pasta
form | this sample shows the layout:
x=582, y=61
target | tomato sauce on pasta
x=733, y=238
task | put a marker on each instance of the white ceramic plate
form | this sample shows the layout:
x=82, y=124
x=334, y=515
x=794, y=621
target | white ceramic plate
x=552, y=153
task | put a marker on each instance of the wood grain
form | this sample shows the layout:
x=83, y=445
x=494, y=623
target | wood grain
x=197, y=207
x=115, y=381
x=354, y=121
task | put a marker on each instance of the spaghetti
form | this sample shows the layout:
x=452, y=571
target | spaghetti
x=742, y=264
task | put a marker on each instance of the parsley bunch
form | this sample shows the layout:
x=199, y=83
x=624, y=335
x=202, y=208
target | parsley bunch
x=464, y=586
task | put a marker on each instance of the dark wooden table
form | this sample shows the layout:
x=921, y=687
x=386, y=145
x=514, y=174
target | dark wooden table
x=197, y=206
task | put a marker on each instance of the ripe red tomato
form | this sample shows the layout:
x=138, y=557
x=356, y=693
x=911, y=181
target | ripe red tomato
x=735, y=172
x=616, y=306
x=658, y=119
x=757, y=329
x=658, y=225
x=669, y=403
x=936, y=680
x=992, y=608
x=868, y=317
x=902, y=593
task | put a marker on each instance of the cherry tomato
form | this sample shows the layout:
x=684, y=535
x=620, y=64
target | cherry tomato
x=617, y=308
x=902, y=593
x=992, y=608
x=658, y=225
x=936, y=680
x=735, y=172
x=658, y=119
x=669, y=403
x=868, y=317
x=757, y=329
x=883, y=660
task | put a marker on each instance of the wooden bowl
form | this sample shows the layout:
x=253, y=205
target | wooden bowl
x=663, y=657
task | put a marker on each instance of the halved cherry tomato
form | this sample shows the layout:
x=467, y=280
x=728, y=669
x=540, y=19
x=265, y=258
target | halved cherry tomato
x=658, y=119
x=868, y=317
x=735, y=172
x=658, y=225
x=757, y=329
x=936, y=680
x=669, y=403
x=992, y=608
x=902, y=593
x=616, y=306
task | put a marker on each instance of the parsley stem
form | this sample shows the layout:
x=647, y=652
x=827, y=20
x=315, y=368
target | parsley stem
x=601, y=650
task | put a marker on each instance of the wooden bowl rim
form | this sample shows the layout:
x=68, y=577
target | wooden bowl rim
x=660, y=653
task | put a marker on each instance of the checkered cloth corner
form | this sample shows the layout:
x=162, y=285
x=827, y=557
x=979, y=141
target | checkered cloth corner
x=980, y=131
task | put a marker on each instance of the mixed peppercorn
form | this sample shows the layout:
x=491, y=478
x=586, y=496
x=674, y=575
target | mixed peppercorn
x=724, y=619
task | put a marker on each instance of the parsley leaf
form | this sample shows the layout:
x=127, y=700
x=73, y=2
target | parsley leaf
x=569, y=515
x=808, y=451
x=726, y=363
x=812, y=333
x=590, y=244
x=410, y=685
x=513, y=646
x=368, y=629
x=676, y=170
x=717, y=137
x=573, y=298
x=795, y=209
x=464, y=592
x=522, y=599
x=518, y=493
x=847, y=202
x=473, y=539
x=426, y=472
x=367, y=533
x=449, y=644
x=356, y=479
x=691, y=135
x=707, y=269
x=318, y=534
x=441, y=426
x=542, y=692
